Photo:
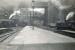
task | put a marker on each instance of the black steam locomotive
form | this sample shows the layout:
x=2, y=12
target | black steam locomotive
x=69, y=22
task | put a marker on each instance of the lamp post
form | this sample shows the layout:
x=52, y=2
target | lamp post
x=33, y=14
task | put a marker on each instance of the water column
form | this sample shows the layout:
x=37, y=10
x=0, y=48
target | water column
x=45, y=16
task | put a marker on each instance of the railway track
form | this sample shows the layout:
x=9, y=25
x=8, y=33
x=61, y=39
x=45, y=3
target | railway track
x=6, y=35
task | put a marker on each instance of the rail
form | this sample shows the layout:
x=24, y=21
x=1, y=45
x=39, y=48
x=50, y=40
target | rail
x=6, y=35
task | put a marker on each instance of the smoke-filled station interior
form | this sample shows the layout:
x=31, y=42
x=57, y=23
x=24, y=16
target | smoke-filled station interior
x=37, y=24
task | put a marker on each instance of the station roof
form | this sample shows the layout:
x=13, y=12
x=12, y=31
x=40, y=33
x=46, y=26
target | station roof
x=63, y=4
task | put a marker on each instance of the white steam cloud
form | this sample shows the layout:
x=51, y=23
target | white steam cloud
x=14, y=13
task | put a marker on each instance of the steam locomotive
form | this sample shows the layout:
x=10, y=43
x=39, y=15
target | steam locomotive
x=69, y=22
